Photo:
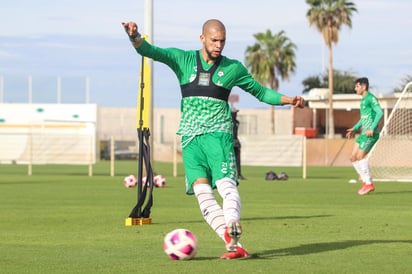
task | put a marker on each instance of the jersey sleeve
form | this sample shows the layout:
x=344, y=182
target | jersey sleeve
x=263, y=94
x=378, y=116
x=168, y=56
x=357, y=125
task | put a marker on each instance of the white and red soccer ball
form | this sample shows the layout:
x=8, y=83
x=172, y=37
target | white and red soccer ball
x=159, y=181
x=180, y=244
x=130, y=181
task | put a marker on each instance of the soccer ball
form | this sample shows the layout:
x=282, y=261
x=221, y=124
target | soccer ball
x=159, y=181
x=130, y=181
x=180, y=244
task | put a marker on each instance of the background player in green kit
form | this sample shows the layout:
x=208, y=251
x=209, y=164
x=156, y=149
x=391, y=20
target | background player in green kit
x=370, y=115
x=206, y=78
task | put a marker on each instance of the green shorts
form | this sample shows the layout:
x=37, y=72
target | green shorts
x=366, y=143
x=209, y=156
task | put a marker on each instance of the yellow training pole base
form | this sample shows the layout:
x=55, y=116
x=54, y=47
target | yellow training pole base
x=138, y=221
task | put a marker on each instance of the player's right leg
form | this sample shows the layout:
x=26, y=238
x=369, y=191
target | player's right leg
x=218, y=148
x=211, y=210
x=354, y=160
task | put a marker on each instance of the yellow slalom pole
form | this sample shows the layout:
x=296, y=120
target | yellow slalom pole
x=143, y=120
x=147, y=95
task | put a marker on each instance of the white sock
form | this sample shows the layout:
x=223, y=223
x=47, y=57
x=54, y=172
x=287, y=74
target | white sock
x=211, y=210
x=227, y=188
x=365, y=172
x=358, y=169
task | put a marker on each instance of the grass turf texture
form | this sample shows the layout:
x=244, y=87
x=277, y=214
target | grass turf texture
x=59, y=220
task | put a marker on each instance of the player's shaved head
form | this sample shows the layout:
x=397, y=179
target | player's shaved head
x=213, y=24
x=213, y=38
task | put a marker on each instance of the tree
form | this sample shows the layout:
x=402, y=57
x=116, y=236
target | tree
x=270, y=58
x=403, y=83
x=312, y=82
x=343, y=82
x=328, y=16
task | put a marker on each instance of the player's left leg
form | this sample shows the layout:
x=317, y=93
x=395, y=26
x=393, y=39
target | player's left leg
x=222, y=163
x=367, y=185
x=231, y=209
x=363, y=164
x=198, y=180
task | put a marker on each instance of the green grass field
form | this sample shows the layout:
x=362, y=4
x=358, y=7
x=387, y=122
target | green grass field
x=59, y=220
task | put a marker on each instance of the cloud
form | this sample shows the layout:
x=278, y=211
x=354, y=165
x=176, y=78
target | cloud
x=7, y=55
x=73, y=37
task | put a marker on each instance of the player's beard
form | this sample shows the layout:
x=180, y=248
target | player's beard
x=211, y=56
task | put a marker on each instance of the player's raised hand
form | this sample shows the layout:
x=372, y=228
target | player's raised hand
x=130, y=28
x=134, y=35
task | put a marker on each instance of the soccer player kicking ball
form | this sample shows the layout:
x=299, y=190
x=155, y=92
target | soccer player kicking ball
x=206, y=78
x=370, y=115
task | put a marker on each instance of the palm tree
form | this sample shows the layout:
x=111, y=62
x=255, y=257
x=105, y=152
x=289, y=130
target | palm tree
x=328, y=16
x=270, y=58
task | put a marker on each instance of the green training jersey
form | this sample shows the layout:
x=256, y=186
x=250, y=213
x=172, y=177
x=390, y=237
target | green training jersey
x=370, y=112
x=202, y=114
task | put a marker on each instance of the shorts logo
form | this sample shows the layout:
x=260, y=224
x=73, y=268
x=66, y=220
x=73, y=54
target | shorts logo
x=224, y=168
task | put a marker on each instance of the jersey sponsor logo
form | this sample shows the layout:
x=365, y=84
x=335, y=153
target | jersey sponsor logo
x=204, y=79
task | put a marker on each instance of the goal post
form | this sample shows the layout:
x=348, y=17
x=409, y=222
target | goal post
x=390, y=158
x=37, y=134
x=49, y=142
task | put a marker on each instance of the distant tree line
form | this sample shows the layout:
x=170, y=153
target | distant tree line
x=343, y=82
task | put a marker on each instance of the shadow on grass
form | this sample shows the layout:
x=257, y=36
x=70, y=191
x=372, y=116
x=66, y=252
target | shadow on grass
x=285, y=217
x=308, y=249
x=390, y=192
x=30, y=182
x=320, y=247
x=258, y=218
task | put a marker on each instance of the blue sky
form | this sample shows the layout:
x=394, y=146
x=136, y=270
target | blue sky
x=74, y=39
